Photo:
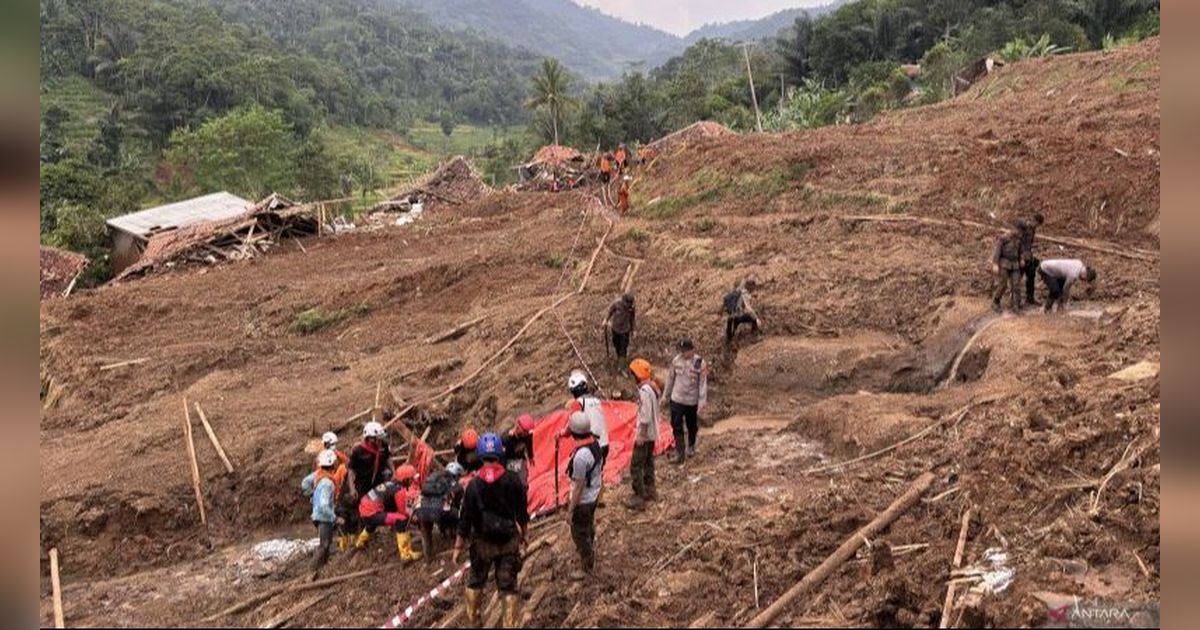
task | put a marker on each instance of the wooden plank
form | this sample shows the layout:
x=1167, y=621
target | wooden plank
x=846, y=551
x=113, y=366
x=191, y=448
x=287, y=615
x=56, y=589
x=958, y=555
x=212, y=437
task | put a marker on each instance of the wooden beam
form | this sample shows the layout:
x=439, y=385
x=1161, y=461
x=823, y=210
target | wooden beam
x=191, y=448
x=56, y=589
x=958, y=555
x=212, y=437
x=846, y=551
x=113, y=366
x=457, y=331
x=287, y=615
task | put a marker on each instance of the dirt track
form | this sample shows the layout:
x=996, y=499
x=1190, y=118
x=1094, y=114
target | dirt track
x=864, y=320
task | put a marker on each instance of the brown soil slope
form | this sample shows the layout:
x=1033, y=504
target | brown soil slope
x=864, y=322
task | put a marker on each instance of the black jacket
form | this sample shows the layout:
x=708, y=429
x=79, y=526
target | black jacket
x=504, y=497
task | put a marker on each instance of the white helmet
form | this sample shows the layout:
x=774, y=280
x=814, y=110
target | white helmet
x=329, y=439
x=456, y=469
x=579, y=423
x=373, y=429
x=576, y=379
x=326, y=458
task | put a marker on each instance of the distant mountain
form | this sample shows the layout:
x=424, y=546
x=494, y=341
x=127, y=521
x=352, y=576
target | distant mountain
x=590, y=43
x=762, y=28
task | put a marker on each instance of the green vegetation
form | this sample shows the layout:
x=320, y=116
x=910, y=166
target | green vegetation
x=554, y=261
x=637, y=235
x=315, y=319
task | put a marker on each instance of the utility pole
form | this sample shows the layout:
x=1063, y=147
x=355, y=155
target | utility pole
x=750, y=77
x=782, y=93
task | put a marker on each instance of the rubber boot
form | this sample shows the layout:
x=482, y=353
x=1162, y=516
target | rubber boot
x=343, y=542
x=360, y=542
x=405, y=548
x=472, y=597
x=512, y=602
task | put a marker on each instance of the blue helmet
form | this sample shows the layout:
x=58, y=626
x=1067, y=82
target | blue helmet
x=489, y=446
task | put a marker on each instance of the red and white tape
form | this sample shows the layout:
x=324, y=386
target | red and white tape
x=442, y=587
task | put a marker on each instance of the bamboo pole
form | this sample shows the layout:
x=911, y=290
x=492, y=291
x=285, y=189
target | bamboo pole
x=56, y=589
x=846, y=551
x=191, y=445
x=958, y=554
x=212, y=437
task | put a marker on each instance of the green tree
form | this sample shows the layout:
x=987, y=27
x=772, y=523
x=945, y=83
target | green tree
x=250, y=152
x=549, y=93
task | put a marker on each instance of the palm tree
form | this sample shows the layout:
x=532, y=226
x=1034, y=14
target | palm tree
x=550, y=91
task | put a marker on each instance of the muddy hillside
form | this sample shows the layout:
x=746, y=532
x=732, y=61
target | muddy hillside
x=880, y=359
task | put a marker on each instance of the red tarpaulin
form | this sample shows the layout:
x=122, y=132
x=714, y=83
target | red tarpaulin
x=622, y=420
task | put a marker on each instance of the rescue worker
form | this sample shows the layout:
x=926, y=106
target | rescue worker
x=441, y=500
x=738, y=310
x=1006, y=265
x=345, y=498
x=1030, y=262
x=606, y=168
x=585, y=470
x=621, y=157
x=1059, y=275
x=590, y=405
x=370, y=465
x=386, y=505
x=324, y=486
x=494, y=524
x=518, y=447
x=641, y=467
x=464, y=451
x=623, y=195
x=619, y=321
x=686, y=393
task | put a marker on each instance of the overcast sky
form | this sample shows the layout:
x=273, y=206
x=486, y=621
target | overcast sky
x=683, y=16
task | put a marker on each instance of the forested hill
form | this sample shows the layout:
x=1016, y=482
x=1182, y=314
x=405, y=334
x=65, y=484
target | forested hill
x=762, y=28
x=366, y=62
x=590, y=43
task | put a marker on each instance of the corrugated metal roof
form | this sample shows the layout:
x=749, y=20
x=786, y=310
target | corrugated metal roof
x=212, y=207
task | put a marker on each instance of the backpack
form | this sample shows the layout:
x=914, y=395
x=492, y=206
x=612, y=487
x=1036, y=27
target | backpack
x=436, y=486
x=594, y=447
x=733, y=302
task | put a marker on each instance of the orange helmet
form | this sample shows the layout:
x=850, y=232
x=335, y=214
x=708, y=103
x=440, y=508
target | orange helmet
x=469, y=438
x=405, y=473
x=641, y=369
x=526, y=422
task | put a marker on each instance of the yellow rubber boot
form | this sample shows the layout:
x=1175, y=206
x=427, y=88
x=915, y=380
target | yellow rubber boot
x=472, y=597
x=512, y=603
x=342, y=542
x=361, y=541
x=404, y=546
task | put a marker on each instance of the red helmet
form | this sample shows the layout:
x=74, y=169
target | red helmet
x=405, y=473
x=526, y=422
x=470, y=438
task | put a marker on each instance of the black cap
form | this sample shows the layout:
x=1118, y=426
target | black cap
x=686, y=344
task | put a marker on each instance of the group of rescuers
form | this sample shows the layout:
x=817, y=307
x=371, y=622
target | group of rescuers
x=480, y=498
x=616, y=166
x=1013, y=258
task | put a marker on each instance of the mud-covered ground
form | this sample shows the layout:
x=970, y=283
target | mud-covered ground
x=874, y=329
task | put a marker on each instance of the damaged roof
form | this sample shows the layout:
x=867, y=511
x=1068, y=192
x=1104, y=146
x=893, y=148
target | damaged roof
x=214, y=207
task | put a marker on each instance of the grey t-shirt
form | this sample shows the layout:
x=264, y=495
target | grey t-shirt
x=1068, y=269
x=581, y=463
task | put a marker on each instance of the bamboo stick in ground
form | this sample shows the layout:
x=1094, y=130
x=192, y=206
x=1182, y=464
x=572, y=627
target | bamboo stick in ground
x=56, y=589
x=191, y=446
x=212, y=437
x=845, y=552
x=958, y=554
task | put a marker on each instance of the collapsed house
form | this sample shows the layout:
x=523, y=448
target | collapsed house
x=131, y=233
x=554, y=167
x=59, y=271
x=971, y=73
x=250, y=232
x=454, y=183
